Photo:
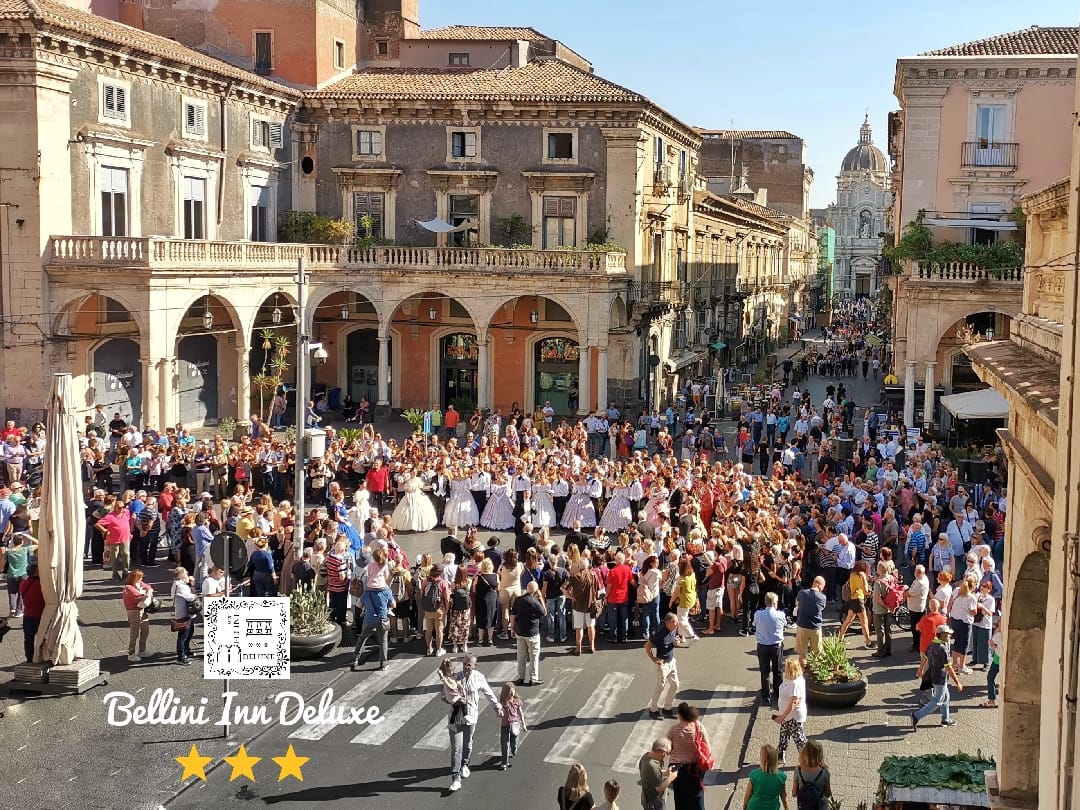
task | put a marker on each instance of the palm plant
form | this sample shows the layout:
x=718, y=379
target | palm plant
x=831, y=662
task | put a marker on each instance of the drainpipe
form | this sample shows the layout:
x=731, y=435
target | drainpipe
x=224, y=149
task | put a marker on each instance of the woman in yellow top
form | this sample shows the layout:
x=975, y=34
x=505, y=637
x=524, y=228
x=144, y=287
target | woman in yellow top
x=858, y=588
x=684, y=597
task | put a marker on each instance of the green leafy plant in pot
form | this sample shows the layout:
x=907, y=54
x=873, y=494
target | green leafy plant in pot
x=832, y=679
x=312, y=633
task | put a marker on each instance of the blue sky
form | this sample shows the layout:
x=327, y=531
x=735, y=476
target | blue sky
x=812, y=67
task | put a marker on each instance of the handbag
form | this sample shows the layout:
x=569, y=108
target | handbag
x=704, y=760
x=195, y=607
x=597, y=607
x=177, y=625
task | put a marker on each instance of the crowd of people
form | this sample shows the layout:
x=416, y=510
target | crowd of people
x=623, y=530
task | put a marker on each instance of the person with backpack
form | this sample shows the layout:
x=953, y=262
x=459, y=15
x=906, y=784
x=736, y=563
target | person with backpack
x=378, y=608
x=812, y=786
x=887, y=594
x=434, y=602
x=402, y=592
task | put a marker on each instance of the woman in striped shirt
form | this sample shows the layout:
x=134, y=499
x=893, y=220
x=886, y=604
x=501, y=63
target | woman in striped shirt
x=688, y=788
x=338, y=572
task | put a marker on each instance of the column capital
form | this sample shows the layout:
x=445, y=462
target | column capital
x=910, y=363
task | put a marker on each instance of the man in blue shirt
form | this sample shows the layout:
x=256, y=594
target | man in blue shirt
x=959, y=533
x=661, y=651
x=769, y=632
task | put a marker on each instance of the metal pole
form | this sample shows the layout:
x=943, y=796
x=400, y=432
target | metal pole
x=228, y=582
x=302, y=387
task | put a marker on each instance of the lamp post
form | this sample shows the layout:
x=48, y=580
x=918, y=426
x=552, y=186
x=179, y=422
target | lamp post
x=302, y=386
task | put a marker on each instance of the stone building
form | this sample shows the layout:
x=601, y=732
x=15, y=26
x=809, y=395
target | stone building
x=859, y=217
x=980, y=124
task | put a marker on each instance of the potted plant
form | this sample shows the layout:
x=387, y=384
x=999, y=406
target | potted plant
x=415, y=417
x=312, y=633
x=832, y=680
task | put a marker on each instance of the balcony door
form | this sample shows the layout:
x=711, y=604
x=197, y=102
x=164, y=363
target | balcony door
x=990, y=135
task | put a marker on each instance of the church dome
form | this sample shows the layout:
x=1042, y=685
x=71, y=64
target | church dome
x=865, y=156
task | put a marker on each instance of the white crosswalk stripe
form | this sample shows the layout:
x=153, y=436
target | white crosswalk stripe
x=359, y=696
x=537, y=706
x=404, y=709
x=640, y=740
x=436, y=738
x=719, y=721
x=583, y=730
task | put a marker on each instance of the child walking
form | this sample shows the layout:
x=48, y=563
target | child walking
x=513, y=722
x=612, y=791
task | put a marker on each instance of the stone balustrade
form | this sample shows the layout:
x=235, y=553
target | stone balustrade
x=963, y=273
x=160, y=253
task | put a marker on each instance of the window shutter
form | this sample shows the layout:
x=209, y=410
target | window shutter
x=376, y=143
x=275, y=136
x=470, y=144
x=256, y=132
x=121, y=101
x=110, y=98
x=560, y=206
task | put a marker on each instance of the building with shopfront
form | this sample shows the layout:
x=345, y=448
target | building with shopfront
x=981, y=124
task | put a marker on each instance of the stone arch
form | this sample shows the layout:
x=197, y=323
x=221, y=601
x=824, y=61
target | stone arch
x=418, y=291
x=618, y=315
x=1021, y=695
x=958, y=311
x=317, y=297
x=533, y=397
x=207, y=376
x=184, y=305
x=69, y=306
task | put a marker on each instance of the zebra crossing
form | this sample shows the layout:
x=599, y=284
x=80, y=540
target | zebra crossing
x=581, y=715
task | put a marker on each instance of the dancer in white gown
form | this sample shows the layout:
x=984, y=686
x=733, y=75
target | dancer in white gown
x=461, y=508
x=499, y=512
x=415, y=512
x=618, y=514
x=579, y=507
x=543, y=507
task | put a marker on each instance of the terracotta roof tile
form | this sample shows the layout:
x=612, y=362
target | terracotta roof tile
x=729, y=134
x=539, y=80
x=50, y=13
x=496, y=33
x=1034, y=41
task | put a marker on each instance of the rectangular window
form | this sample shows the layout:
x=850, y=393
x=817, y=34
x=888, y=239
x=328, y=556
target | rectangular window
x=114, y=103
x=194, y=119
x=260, y=214
x=464, y=208
x=368, y=142
x=382, y=47
x=990, y=124
x=459, y=60
x=659, y=156
x=463, y=144
x=264, y=51
x=560, y=221
x=266, y=134
x=339, y=54
x=194, y=208
x=114, y=193
x=368, y=214
x=560, y=145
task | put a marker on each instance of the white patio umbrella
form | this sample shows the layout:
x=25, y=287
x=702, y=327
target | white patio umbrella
x=62, y=530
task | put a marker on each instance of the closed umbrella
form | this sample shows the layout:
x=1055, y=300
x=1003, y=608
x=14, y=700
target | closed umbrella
x=63, y=525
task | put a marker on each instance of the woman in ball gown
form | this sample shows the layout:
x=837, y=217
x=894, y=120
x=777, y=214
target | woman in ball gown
x=499, y=512
x=543, y=507
x=618, y=514
x=414, y=512
x=461, y=508
x=657, y=507
x=580, y=506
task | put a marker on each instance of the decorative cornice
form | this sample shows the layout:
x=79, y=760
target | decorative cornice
x=478, y=179
x=559, y=181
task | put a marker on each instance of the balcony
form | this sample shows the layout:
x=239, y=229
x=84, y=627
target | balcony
x=163, y=254
x=961, y=273
x=657, y=294
x=988, y=155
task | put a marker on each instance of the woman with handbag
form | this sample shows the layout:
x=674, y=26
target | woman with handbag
x=184, y=613
x=575, y=795
x=685, y=598
x=691, y=758
x=137, y=596
x=263, y=576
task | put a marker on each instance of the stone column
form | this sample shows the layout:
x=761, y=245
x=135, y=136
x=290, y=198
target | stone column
x=601, y=378
x=584, y=368
x=383, y=400
x=166, y=367
x=243, y=385
x=928, y=393
x=909, y=394
x=149, y=394
x=483, y=398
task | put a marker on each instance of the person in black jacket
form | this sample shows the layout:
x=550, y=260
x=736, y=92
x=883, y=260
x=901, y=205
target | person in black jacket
x=451, y=545
x=525, y=539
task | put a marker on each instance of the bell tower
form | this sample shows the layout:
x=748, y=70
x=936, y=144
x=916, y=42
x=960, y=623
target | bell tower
x=382, y=25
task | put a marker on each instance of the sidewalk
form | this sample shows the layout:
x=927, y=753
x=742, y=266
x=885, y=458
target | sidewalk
x=857, y=740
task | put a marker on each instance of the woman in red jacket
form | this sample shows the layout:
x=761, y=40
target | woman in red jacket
x=136, y=596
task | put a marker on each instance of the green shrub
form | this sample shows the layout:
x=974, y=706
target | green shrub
x=831, y=663
x=308, y=613
x=309, y=227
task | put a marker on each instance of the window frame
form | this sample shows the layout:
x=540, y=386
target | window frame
x=379, y=230
x=105, y=85
x=339, y=54
x=265, y=134
x=357, y=155
x=193, y=216
x=256, y=66
x=560, y=204
x=124, y=195
x=475, y=132
x=195, y=104
x=548, y=134
x=458, y=59
x=266, y=229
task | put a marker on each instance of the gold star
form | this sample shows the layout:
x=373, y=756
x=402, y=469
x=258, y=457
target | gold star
x=290, y=764
x=194, y=765
x=242, y=764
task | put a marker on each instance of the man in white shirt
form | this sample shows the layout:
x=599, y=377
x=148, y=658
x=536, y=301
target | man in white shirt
x=469, y=684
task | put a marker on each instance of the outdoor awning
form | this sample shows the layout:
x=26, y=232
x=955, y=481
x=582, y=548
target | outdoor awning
x=684, y=360
x=983, y=404
x=438, y=226
x=719, y=345
x=983, y=224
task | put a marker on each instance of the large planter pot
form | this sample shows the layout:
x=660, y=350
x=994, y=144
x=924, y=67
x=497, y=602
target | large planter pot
x=841, y=695
x=302, y=647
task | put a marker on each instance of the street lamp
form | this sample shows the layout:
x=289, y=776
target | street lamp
x=344, y=312
x=989, y=335
x=305, y=354
x=534, y=316
x=207, y=317
x=432, y=313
